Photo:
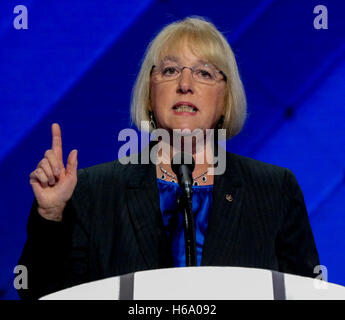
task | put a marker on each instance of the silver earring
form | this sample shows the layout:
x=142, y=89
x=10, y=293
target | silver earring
x=152, y=120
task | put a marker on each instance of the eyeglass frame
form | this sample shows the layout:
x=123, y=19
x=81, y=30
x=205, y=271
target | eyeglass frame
x=225, y=78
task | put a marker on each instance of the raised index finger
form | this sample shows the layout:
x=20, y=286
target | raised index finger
x=57, y=142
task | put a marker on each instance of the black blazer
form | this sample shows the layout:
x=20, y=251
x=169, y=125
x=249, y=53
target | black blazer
x=113, y=226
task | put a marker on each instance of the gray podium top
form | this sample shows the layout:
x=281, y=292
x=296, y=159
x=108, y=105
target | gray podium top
x=203, y=283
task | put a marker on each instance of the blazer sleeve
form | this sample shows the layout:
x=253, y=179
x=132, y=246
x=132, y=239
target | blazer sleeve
x=295, y=244
x=56, y=253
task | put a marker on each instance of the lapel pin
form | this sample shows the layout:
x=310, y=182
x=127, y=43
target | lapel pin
x=228, y=197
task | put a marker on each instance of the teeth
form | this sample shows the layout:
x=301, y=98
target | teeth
x=184, y=108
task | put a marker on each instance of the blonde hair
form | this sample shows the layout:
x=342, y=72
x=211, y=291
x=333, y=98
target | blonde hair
x=206, y=42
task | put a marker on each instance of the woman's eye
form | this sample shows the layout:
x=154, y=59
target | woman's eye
x=168, y=71
x=204, y=73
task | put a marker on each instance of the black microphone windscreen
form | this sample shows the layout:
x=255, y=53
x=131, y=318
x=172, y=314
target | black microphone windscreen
x=182, y=158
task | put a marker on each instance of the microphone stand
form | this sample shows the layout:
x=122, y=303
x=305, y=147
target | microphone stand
x=185, y=204
x=183, y=165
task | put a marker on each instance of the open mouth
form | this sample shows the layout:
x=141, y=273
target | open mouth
x=183, y=107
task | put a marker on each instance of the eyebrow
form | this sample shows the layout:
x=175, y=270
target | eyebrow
x=178, y=60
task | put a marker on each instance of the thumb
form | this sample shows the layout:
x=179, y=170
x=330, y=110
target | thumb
x=72, y=163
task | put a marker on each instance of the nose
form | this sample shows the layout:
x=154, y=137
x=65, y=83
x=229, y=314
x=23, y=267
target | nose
x=186, y=81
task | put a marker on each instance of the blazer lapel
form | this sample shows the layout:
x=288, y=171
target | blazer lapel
x=225, y=215
x=142, y=197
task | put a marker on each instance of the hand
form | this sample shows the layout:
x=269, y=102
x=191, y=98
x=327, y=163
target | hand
x=52, y=183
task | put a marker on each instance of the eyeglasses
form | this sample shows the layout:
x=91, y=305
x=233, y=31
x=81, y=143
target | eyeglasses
x=203, y=73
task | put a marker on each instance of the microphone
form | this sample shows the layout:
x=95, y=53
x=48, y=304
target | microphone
x=183, y=164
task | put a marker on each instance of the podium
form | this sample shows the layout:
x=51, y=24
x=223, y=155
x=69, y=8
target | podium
x=203, y=283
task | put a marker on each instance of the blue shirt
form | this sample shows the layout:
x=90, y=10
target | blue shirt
x=169, y=192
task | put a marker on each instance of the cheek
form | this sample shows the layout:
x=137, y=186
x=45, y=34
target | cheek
x=152, y=95
x=158, y=96
x=221, y=101
x=216, y=99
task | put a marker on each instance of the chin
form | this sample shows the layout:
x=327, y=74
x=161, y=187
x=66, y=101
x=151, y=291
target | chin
x=183, y=125
x=186, y=126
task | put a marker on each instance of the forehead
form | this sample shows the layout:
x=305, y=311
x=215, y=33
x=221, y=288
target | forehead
x=181, y=52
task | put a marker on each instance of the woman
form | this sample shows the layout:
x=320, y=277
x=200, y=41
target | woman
x=116, y=218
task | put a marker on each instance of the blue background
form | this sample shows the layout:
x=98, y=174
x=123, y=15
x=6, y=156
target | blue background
x=76, y=65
